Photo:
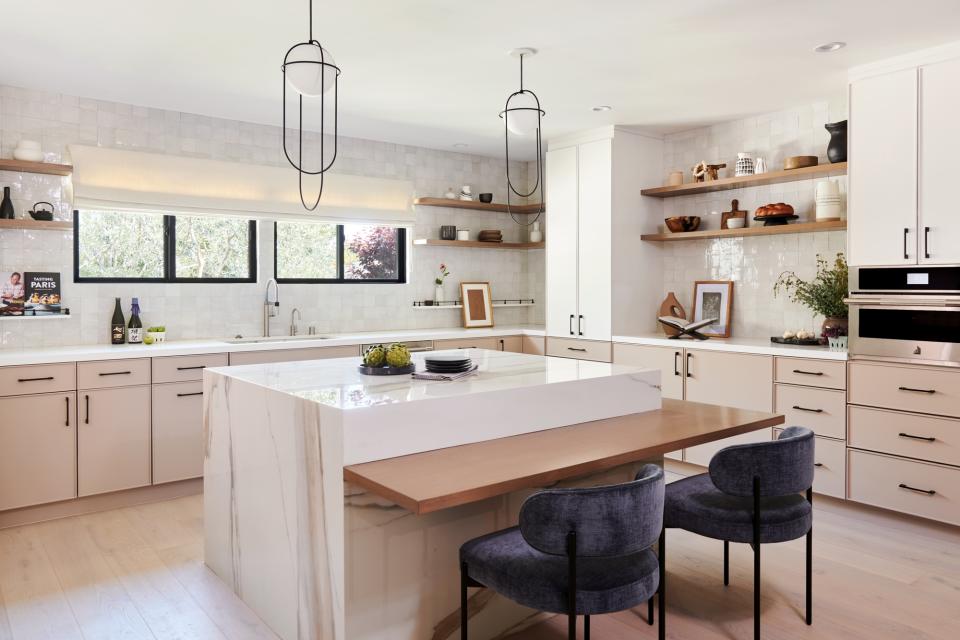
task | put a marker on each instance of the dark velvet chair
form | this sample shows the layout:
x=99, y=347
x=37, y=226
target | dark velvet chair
x=751, y=494
x=578, y=551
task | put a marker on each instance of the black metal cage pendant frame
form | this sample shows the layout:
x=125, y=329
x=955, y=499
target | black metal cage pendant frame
x=299, y=163
x=507, y=109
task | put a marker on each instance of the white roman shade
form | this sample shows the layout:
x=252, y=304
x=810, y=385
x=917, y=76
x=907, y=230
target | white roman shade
x=136, y=181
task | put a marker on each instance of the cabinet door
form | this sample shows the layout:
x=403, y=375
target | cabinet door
x=561, y=248
x=939, y=140
x=38, y=449
x=595, y=168
x=113, y=442
x=177, y=431
x=513, y=344
x=733, y=380
x=668, y=360
x=535, y=345
x=882, y=218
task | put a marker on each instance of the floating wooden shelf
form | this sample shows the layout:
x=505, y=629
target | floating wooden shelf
x=475, y=244
x=770, y=177
x=460, y=306
x=802, y=227
x=60, y=225
x=474, y=205
x=48, y=168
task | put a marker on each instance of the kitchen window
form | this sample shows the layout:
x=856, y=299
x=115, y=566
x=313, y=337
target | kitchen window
x=121, y=246
x=323, y=252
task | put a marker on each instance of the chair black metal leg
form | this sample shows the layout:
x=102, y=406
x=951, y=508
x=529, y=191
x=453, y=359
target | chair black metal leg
x=756, y=558
x=572, y=586
x=586, y=627
x=650, y=611
x=726, y=562
x=662, y=589
x=463, y=600
x=810, y=563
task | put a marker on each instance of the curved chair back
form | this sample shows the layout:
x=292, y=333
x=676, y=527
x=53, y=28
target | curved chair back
x=608, y=521
x=784, y=466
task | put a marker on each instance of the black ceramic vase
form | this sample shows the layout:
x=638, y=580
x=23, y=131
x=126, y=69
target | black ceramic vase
x=837, y=149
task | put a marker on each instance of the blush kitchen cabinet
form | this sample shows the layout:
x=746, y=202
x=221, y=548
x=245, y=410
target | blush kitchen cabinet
x=669, y=361
x=177, y=431
x=939, y=224
x=490, y=343
x=38, y=449
x=113, y=439
x=293, y=355
x=534, y=345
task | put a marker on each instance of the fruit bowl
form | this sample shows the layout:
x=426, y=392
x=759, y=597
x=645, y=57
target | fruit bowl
x=680, y=224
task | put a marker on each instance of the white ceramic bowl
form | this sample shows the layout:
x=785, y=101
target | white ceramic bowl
x=28, y=155
x=735, y=223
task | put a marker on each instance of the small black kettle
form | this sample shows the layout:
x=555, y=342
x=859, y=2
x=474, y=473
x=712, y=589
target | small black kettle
x=41, y=214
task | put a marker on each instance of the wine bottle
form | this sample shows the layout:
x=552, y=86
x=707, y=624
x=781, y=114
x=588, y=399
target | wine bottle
x=117, y=324
x=6, y=206
x=135, y=328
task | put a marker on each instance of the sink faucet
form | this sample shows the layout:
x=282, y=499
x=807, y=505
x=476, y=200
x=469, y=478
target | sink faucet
x=271, y=305
x=294, y=316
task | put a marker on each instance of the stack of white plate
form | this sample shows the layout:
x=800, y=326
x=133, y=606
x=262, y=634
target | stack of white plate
x=829, y=203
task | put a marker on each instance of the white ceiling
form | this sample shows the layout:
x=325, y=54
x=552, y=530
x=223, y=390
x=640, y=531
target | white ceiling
x=436, y=72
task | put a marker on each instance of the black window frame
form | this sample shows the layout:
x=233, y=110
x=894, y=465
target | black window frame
x=169, y=257
x=340, y=279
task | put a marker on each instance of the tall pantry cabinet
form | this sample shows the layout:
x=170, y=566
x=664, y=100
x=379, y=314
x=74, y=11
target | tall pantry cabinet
x=601, y=280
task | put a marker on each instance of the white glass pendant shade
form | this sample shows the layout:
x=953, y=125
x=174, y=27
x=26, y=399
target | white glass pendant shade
x=523, y=121
x=312, y=79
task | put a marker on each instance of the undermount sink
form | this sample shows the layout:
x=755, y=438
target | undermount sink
x=259, y=339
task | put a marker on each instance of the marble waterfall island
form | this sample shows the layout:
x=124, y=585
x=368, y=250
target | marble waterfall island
x=335, y=503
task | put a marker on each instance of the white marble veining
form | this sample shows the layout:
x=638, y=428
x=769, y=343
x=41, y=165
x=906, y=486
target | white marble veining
x=761, y=346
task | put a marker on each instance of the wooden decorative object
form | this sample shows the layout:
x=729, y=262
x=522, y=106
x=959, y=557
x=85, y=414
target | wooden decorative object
x=714, y=298
x=800, y=162
x=713, y=171
x=735, y=212
x=671, y=307
x=477, y=306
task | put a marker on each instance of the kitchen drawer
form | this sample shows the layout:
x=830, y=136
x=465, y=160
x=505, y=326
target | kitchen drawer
x=185, y=368
x=918, y=488
x=535, y=345
x=830, y=472
x=601, y=351
x=830, y=374
x=918, y=389
x=177, y=433
x=823, y=410
x=467, y=343
x=113, y=373
x=293, y=355
x=905, y=434
x=38, y=378
x=512, y=344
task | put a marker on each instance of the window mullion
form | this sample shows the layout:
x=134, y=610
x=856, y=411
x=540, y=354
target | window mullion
x=169, y=248
x=340, y=257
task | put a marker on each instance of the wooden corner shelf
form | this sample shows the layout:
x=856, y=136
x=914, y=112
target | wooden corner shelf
x=801, y=227
x=725, y=184
x=47, y=168
x=60, y=225
x=474, y=205
x=475, y=244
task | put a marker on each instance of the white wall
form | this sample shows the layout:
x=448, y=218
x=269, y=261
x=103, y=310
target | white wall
x=218, y=310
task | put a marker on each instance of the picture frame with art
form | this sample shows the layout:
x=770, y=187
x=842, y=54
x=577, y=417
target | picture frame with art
x=477, y=304
x=714, y=298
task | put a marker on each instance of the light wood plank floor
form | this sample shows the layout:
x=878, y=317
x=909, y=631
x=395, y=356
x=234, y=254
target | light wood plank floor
x=137, y=573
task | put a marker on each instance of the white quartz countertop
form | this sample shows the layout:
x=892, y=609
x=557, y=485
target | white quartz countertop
x=761, y=346
x=46, y=355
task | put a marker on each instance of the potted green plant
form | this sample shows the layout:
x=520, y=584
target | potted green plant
x=823, y=295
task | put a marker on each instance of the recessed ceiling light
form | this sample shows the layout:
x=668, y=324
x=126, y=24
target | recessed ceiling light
x=829, y=47
x=460, y=145
x=603, y=107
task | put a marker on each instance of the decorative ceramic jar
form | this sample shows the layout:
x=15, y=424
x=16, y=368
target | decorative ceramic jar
x=759, y=166
x=675, y=179
x=535, y=234
x=744, y=165
x=837, y=148
x=28, y=150
x=438, y=293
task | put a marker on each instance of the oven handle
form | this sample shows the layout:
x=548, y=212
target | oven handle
x=909, y=303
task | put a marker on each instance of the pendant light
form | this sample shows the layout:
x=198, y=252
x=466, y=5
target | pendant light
x=521, y=116
x=311, y=73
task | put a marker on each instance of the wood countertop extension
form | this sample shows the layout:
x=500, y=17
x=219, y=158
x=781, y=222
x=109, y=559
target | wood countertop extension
x=444, y=478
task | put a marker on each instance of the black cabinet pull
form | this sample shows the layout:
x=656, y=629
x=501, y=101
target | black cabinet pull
x=502, y=347
x=86, y=417
x=571, y=324
x=676, y=363
x=576, y=349
x=929, y=492
x=818, y=464
x=195, y=393
x=68, y=411
x=115, y=373
x=799, y=408
x=913, y=437
x=808, y=373
x=689, y=375
x=579, y=325
x=34, y=379
x=917, y=390
x=926, y=242
x=202, y=366
x=906, y=256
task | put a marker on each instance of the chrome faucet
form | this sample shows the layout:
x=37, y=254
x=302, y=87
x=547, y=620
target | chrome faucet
x=294, y=316
x=271, y=306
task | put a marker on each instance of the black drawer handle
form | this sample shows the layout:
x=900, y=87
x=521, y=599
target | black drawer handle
x=195, y=393
x=808, y=373
x=86, y=418
x=929, y=492
x=115, y=373
x=799, y=408
x=34, y=379
x=576, y=349
x=68, y=411
x=913, y=437
x=202, y=366
x=917, y=390
x=818, y=464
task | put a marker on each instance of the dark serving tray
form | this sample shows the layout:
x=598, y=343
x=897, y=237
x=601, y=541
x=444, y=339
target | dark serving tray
x=386, y=371
x=809, y=342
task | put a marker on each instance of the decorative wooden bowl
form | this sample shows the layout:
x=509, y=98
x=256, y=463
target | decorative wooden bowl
x=798, y=162
x=680, y=224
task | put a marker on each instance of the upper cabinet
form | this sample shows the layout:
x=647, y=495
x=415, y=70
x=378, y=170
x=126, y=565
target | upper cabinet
x=903, y=138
